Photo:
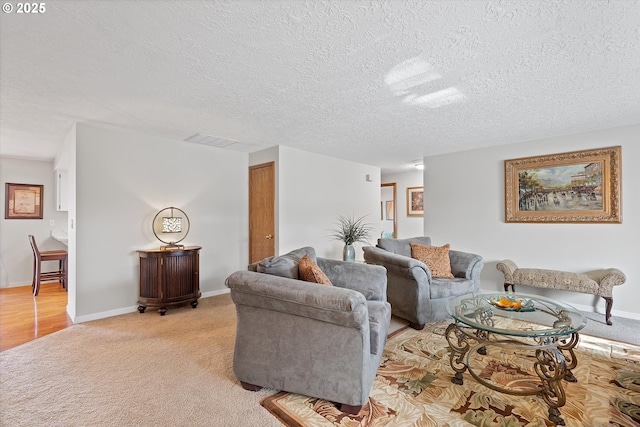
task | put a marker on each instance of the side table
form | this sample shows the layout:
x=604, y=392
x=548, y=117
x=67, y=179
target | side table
x=169, y=277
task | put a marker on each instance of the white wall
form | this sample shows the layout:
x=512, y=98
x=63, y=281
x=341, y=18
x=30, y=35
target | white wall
x=464, y=206
x=123, y=179
x=15, y=252
x=119, y=180
x=66, y=159
x=313, y=190
x=408, y=226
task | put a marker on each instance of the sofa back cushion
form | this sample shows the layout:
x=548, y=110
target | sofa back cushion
x=286, y=265
x=402, y=246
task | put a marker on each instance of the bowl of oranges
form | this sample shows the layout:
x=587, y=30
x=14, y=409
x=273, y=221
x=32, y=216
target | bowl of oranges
x=511, y=304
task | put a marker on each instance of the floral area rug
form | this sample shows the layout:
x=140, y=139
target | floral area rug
x=413, y=388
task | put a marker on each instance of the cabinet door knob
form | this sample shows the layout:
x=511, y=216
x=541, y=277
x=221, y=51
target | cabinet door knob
x=269, y=236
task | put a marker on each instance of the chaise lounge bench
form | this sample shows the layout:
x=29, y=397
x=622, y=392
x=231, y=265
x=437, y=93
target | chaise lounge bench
x=597, y=282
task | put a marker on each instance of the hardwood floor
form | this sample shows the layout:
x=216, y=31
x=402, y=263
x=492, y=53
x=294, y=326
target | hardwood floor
x=24, y=317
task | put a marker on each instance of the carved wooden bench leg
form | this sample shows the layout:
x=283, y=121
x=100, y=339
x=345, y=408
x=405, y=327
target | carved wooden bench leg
x=353, y=410
x=250, y=387
x=609, y=304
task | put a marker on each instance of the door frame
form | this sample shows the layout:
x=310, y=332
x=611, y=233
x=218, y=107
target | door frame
x=395, y=207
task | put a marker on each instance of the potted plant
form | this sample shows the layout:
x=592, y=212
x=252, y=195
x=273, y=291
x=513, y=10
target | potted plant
x=350, y=230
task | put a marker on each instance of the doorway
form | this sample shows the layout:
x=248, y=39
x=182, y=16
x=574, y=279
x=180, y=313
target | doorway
x=388, y=209
x=261, y=211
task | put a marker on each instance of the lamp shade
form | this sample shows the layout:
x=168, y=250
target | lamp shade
x=172, y=224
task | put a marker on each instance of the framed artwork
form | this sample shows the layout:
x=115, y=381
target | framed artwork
x=23, y=201
x=389, y=210
x=415, y=201
x=574, y=187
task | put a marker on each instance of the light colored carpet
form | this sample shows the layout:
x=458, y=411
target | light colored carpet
x=623, y=329
x=132, y=370
x=135, y=369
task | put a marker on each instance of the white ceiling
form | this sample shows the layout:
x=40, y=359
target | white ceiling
x=378, y=82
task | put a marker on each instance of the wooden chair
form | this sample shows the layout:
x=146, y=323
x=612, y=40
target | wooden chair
x=39, y=257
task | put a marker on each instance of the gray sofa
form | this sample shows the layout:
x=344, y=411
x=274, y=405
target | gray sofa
x=414, y=294
x=312, y=339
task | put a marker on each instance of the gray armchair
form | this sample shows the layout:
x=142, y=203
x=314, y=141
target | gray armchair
x=414, y=294
x=312, y=339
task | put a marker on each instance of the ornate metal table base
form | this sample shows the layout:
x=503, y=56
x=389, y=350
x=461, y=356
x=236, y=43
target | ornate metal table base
x=555, y=360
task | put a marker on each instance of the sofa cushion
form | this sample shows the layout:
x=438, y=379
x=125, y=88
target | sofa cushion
x=435, y=257
x=402, y=246
x=310, y=272
x=286, y=265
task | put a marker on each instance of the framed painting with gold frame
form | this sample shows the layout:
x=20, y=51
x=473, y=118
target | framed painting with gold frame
x=23, y=201
x=574, y=187
x=415, y=201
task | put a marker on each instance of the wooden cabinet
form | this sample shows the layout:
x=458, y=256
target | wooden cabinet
x=169, y=277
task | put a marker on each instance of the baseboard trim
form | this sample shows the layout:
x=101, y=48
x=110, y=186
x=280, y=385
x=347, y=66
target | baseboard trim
x=616, y=313
x=105, y=314
x=134, y=308
x=215, y=293
x=15, y=284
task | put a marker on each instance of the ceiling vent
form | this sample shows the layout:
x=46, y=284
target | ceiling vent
x=214, y=141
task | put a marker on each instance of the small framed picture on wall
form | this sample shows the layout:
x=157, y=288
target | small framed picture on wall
x=390, y=210
x=23, y=201
x=415, y=201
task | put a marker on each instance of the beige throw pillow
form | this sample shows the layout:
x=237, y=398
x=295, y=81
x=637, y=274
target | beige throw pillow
x=310, y=272
x=436, y=258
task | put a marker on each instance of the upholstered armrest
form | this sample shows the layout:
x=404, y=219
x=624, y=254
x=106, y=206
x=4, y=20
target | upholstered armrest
x=369, y=280
x=507, y=267
x=329, y=304
x=464, y=264
x=607, y=278
x=397, y=264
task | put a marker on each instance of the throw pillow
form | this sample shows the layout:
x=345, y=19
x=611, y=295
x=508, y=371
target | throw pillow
x=285, y=265
x=310, y=272
x=436, y=258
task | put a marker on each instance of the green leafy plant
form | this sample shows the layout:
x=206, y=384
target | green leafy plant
x=351, y=230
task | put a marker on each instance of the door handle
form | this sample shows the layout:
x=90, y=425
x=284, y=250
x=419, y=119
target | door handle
x=269, y=236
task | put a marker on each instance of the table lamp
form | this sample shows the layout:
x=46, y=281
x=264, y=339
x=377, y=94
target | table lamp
x=170, y=226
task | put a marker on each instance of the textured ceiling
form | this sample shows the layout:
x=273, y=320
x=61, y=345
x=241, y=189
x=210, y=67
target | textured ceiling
x=381, y=83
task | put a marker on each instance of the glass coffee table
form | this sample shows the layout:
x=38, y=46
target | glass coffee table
x=517, y=322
